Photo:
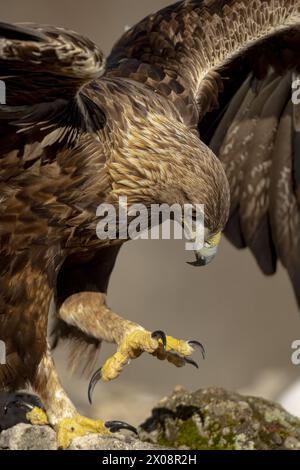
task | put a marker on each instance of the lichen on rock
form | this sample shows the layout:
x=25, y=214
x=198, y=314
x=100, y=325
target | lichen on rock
x=222, y=420
x=207, y=419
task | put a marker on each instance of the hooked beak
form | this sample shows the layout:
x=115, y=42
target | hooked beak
x=206, y=253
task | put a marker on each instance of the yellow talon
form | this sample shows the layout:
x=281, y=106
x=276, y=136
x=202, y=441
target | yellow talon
x=37, y=416
x=70, y=428
x=137, y=340
x=113, y=366
x=140, y=340
x=178, y=345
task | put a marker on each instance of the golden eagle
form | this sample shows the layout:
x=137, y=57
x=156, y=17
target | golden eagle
x=195, y=103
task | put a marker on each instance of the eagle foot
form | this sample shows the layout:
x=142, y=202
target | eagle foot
x=139, y=340
x=37, y=417
x=78, y=426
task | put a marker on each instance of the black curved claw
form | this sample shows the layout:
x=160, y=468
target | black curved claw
x=199, y=346
x=14, y=408
x=17, y=404
x=115, y=426
x=93, y=382
x=190, y=361
x=26, y=401
x=158, y=334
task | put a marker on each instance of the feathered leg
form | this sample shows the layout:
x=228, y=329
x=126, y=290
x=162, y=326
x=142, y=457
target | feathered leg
x=83, y=312
x=89, y=312
x=25, y=296
x=61, y=413
x=24, y=306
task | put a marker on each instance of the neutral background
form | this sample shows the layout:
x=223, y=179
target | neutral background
x=246, y=321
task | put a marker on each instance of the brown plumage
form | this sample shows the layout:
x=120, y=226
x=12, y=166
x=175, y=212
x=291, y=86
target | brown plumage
x=76, y=132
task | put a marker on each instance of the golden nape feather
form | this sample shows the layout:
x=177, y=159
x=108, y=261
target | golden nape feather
x=194, y=105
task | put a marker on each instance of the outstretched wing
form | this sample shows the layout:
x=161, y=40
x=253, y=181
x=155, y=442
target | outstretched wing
x=256, y=133
x=230, y=67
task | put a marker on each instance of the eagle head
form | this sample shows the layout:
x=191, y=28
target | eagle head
x=167, y=163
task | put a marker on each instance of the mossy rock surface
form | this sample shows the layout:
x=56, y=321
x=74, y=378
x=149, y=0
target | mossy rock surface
x=217, y=419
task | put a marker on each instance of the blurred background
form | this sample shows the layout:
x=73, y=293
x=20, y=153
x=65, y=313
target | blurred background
x=246, y=321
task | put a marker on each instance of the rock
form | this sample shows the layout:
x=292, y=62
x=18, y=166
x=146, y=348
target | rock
x=207, y=419
x=218, y=419
x=94, y=442
x=28, y=437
